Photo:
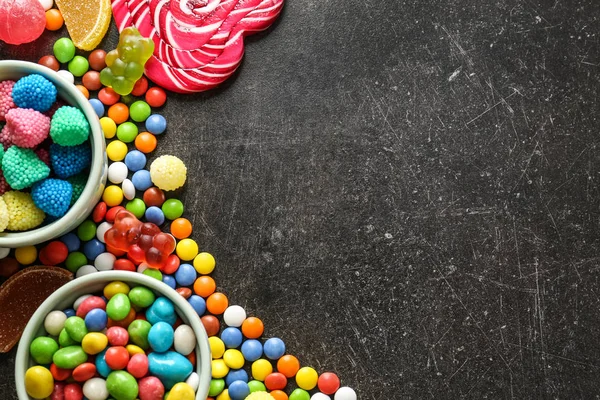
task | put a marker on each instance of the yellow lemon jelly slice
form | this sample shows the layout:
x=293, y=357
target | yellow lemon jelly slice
x=87, y=20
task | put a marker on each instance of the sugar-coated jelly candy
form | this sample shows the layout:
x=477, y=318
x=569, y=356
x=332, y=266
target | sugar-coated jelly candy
x=23, y=21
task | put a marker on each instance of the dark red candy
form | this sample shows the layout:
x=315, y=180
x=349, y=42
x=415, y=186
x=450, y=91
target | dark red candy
x=211, y=324
x=99, y=212
x=58, y=393
x=154, y=197
x=184, y=292
x=73, y=391
x=8, y=267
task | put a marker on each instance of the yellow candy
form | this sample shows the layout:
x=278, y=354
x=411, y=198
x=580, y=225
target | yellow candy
x=87, y=21
x=39, y=382
x=224, y=395
x=259, y=396
x=116, y=150
x=115, y=287
x=219, y=369
x=204, y=263
x=217, y=347
x=94, y=342
x=261, y=368
x=181, y=391
x=233, y=358
x=108, y=127
x=112, y=196
x=306, y=378
x=187, y=249
x=133, y=349
x=168, y=172
x=26, y=255
x=23, y=214
x=3, y=215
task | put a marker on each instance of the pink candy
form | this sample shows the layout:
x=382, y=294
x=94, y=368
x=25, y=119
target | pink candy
x=89, y=304
x=6, y=101
x=27, y=127
x=138, y=365
x=151, y=388
x=117, y=336
x=21, y=21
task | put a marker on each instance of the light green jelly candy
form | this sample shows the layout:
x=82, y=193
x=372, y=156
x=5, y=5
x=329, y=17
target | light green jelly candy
x=138, y=333
x=118, y=307
x=42, y=349
x=141, y=296
x=69, y=357
x=76, y=329
x=122, y=385
x=64, y=339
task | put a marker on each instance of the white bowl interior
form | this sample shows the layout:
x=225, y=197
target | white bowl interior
x=10, y=69
x=93, y=283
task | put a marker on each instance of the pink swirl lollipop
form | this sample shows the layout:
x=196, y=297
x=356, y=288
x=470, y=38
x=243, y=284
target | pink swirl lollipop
x=198, y=43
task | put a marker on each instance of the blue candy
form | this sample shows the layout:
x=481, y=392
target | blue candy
x=170, y=367
x=236, y=375
x=156, y=124
x=161, y=310
x=93, y=249
x=274, y=348
x=69, y=160
x=71, y=241
x=98, y=107
x=169, y=280
x=135, y=160
x=185, y=274
x=141, y=180
x=34, y=91
x=161, y=336
x=96, y=320
x=252, y=350
x=198, y=304
x=69, y=312
x=155, y=215
x=101, y=366
x=52, y=196
x=238, y=390
x=232, y=337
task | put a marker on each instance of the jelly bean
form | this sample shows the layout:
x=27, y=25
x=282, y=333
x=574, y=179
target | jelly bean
x=184, y=339
x=138, y=333
x=94, y=342
x=181, y=391
x=169, y=367
x=59, y=374
x=261, y=368
x=83, y=372
x=122, y=385
x=89, y=304
x=101, y=365
x=217, y=303
x=141, y=296
x=185, y=275
x=211, y=324
x=238, y=390
x=78, y=301
x=288, y=365
x=275, y=381
x=151, y=388
x=274, y=348
x=172, y=208
x=345, y=393
x=69, y=357
x=252, y=328
x=117, y=172
x=118, y=307
x=232, y=337
x=39, y=382
x=64, y=339
x=128, y=189
x=234, y=316
x=216, y=387
x=299, y=394
x=114, y=288
x=219, y=369
x=198, y=304
x=58, y=393
x=75, y=327
x=95, y=389
x=42, y=349
x=233, y=358
x=160, y=336
x=73, y=392
x=116, y=357
x=328, y=383
x=194, y=381
x=306, y=378
x=55, y=322
x=69, y=312
x=205, y=286
x=236, y=375
x=85, y=270
x=124, y=322
x=156, y=124
x=252, y=350
x=256, y=386
x=161, y=310
x=138, y=365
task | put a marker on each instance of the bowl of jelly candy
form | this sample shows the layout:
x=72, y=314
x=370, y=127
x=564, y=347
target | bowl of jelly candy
x=88, y=359
x=39, y=226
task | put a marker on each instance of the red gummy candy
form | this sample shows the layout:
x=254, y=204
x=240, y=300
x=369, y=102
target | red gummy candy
x=21, y=21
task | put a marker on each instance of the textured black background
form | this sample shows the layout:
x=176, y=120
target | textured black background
x=406, y=192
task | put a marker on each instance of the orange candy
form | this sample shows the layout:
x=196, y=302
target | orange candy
x=118, y=112
x=217, y=303
x=181, y=228
x=54, y=19
x=145, y=142
x=288, y=365
x=252, y=328
x=205, y=286
x=279, y=395
x=83, y=90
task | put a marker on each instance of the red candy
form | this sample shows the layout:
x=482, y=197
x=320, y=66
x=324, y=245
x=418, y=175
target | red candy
x=171, y=265
x=112, y=212
x=117, y=336
x=73, y=392
x=123, y=264
x=117, y=357
x=140, y=86
x=154, y=197
x=99, y=212
x=184, y=292
x=89, y=304
x=151, y=388
x=275, y=381
x=59, y=374
x=59, y=391
x=156, y=97
x=138, y=365
x=328, y=383
x=84, y=371
x=21, y=21
x=54, y=253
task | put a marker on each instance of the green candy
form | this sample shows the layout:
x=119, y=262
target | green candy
x=138, y=333
x=42, y=349
x=299, y=394
x=122, y=385
x=78, y=182
x=216, y=387
x=22, y=167
x=141, y=296
x=64, y=50
x=127, y=131
x=78, y=66
x=75, y=327
x=87, y=230
x=69, y=127
x=136, y=206
x=118, y=307
x=75, y=260
x=172, y=208
x=256, y=386
x=64, y=339
x=69, y=357
x=153, y=273
x=139, y=111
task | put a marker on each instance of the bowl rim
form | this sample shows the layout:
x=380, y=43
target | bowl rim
x=98, y=169
x=203, y=361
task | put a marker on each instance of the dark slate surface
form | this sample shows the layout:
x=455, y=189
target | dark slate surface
x=407, y=193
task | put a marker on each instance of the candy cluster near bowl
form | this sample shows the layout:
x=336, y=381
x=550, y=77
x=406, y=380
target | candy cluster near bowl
x=64, y=297
x=79, y=211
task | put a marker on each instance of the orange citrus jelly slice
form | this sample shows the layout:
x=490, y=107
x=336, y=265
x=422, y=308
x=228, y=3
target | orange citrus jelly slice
x=87, y=20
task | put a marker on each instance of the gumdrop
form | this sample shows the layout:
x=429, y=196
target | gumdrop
x=52, y=196
x=22, y=211
x=34, y=91
x=6, y=100
x=28, y=127
x=21, y=21
x=22, y=167
x=69, y=127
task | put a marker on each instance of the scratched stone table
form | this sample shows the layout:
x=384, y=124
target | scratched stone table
x=407, y=193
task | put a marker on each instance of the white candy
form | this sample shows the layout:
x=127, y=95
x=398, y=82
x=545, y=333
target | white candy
x=101, y=230
x=47, y=4
x=234, y=316
x=320, y=396
x=55, y=322
x=85, y=270
x=128, y=189
x=80, y=300
x=95, y=389
x=66, y=75
x=193, y=380
x=184, y=339
x=345, y=393
x=105, y=261
x=117, y=172
x=4, y=251
x=142, y=267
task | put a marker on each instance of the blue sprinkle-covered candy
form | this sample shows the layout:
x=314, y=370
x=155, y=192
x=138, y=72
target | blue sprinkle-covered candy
x=52, y=196
x=135, y=160
x=34, y=91
x=141, y=180
x=69, y=160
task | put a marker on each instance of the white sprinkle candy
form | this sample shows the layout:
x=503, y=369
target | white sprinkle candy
x=55, y=322
x=66, y=75
x=345, y=393
x=234, y=316
x=128, y=189
x=105, y=261
x=101, y=230
x=85, y=270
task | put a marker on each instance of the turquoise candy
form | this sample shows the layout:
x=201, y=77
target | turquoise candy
x=138, y=333
x=69, y=357
x=75, y=327
x=118, y=307
x=101, y=366
x=170, y=367
x=161, y=310
x=122, y=385
x=161, y=336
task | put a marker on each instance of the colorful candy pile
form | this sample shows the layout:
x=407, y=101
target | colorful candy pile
x=109, y=349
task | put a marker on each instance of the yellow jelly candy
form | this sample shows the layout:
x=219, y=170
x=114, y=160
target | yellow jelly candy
x=94, y=342
x=87, y=20
x=133, y=349
x=115, y=287
x=39, y=382
x=181, y=391
x=260, y=396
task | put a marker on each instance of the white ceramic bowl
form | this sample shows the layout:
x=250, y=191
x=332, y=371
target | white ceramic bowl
x=10, y=69
x=66, y=295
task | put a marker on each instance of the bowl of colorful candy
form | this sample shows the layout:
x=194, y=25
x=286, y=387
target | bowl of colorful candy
x=119, y=335
x=53, y=157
